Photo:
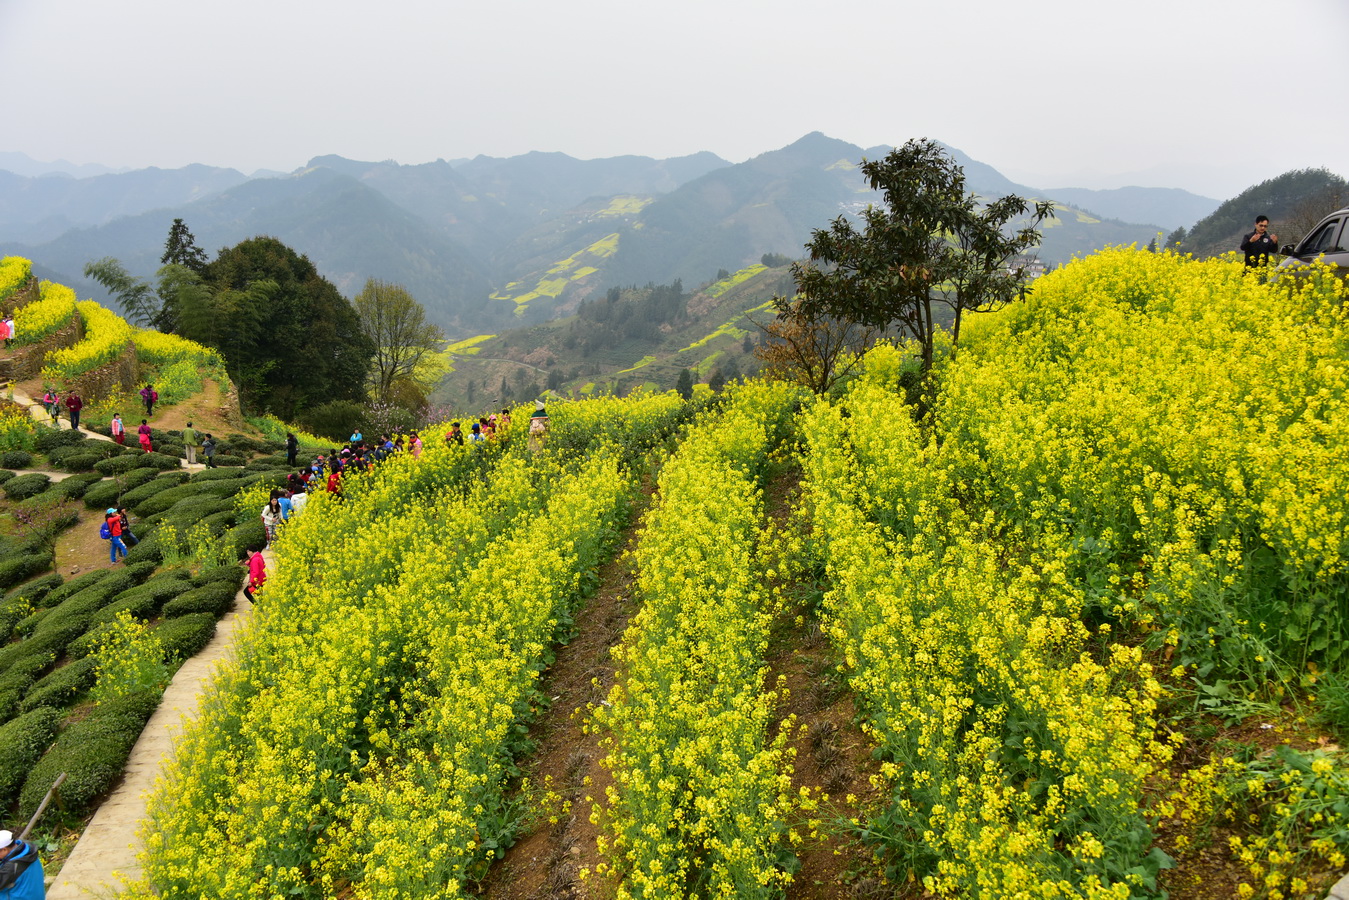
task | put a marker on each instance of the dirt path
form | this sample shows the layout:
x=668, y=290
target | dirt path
x=547, y=858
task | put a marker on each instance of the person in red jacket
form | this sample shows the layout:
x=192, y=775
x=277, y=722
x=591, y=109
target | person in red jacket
x=144, y=432
x=73, y=405
x=257, y=573
x=112, y=524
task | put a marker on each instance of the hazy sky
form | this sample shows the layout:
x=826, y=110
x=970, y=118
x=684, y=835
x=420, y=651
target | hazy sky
x=1208, y=96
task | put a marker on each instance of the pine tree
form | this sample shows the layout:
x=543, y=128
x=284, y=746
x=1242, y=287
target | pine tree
x=181, y=249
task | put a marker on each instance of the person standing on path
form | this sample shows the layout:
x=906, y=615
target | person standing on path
x=118, y=429
x=149, y=395
x=50, y=401
x=208, y=451
x=74, y=404
x=144, y=432
x=292, y=448
x=190, y=444
x=257, y=573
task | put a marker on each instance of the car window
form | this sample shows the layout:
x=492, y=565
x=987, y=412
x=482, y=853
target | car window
x=1322, y=239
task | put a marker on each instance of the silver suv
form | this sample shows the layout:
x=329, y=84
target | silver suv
x=1328, y=241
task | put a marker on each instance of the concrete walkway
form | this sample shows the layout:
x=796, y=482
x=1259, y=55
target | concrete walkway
x=106, y=856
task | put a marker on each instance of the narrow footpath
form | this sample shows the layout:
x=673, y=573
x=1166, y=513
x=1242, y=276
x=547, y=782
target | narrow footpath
x=105, y=858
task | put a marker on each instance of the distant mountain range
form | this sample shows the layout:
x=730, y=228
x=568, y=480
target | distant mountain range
x=488, y=243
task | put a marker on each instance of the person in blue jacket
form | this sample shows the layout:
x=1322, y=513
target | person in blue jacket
x=20, y=870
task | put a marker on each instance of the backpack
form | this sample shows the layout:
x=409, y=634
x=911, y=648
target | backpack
x=105, y=532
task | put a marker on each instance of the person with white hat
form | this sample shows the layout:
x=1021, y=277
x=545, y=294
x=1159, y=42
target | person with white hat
x=20, y=870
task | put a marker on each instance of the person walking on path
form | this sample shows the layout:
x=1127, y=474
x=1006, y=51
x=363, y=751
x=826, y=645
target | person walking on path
x=149, y=396
x=190, y=444
x=257, y=573
x=74, y=404
x=271, y=517
x=51, y=402
x=118, y=429
x=112, y=532
x=144, y=432
x=292, y=448
x=1259, y=245
x=20, y=869
x=208, y=451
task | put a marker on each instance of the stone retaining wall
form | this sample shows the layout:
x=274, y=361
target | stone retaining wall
x=123, y=373
x=29, y=359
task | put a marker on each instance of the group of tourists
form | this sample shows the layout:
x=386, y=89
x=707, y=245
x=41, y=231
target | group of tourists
x=489, y=428
x=52, y=401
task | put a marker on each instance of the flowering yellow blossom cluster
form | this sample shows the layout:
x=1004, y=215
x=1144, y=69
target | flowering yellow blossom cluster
x=700, y=790
x=106, y=336
x=1015, y=759
x=159, y=349
x=49, y=314
x=1182, y=427
x=14, y=273
x=360, y=743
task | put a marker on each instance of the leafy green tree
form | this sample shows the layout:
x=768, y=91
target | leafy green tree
x=181, y=249
x=292, y=339
x=684, y=386
x=932, y=243
x=396, y=324
x=1175, y=238
x=137, y=298
x=717, y=381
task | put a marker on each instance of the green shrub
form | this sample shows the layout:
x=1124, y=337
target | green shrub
x=108, y=493
x=19, y=675
x=247, y=534
x=28, y=624
x=221, y=522
x=14, y=569
x=56, y=689
x=37, y=589
x=165, y=499
x=81, y=462
x=59, y=455
x=60, y=593
x=49, y=439
x=120, y=465
x=214, y=599
x=24, y=740
x=245, y=444
x=25, y=486
x=88, y=642
x=229, y=459
x=16, y=459
x=144, y=601
x=191, y=510
x=213, y=475
x=147, y=551
x=5, y=475
x=232, y=575
x=133, y=498
x=74, y=487
x=184, y=637
x=92, y=753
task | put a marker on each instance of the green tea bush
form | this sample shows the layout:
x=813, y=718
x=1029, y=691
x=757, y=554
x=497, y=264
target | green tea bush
x=88, y=642
x=59, y=593
x=73, y=488
x=5, y=475
x=81, y=462
x=206, y=475
x=14, y=569
x=247, y=534
x=49, y=439
x=184, y=637
x=147, y=551
x=24, y=740
x=245, y=444
x=108, y=493
x=232, y=575
x=134, y=497
x=120, y=465
x=16, y=459
x=229, y=459
x=144, y=601
x=17, y=678
x=34, y=591
x=27, y=625
x=56, y=689
x=92, y=753
x=214, y=599
x=25, y=486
